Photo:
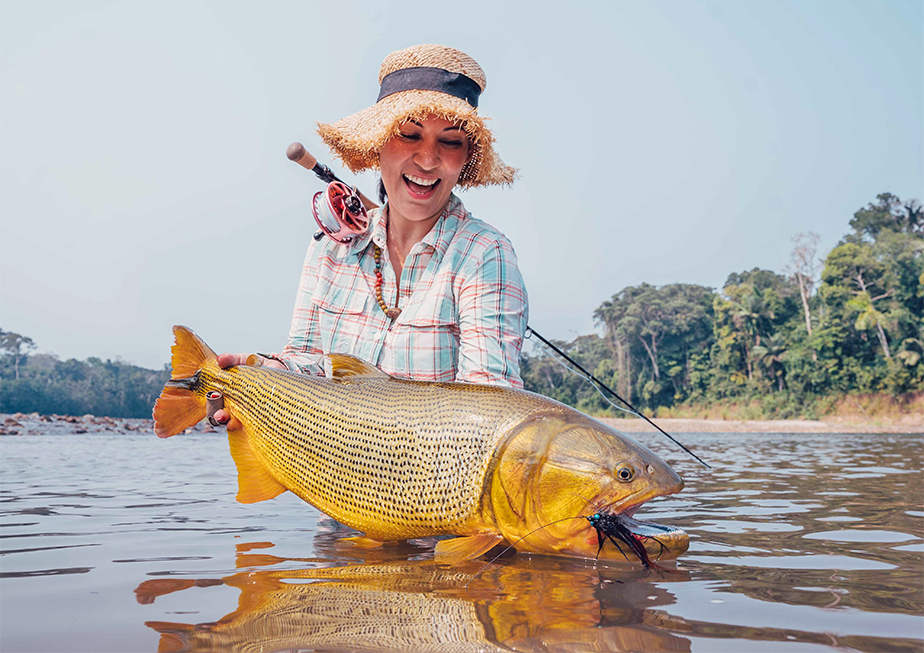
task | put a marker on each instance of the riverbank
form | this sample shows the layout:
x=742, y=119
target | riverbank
x=34, y=424
x=902, y=424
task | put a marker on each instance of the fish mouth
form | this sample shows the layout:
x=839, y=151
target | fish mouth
x=613, y=533
x=615, y=537
x=621, y=536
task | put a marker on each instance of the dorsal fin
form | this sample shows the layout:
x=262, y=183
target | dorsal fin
x=345, y=366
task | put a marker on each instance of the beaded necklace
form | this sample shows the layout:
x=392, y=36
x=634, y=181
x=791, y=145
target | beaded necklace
x=392, y=313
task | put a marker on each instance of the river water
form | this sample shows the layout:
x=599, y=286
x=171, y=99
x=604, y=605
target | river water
x=115, y=540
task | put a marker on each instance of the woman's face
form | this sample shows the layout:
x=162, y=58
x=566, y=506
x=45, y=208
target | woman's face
x=421, y=165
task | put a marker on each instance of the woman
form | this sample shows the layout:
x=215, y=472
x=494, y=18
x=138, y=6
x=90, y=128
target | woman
x=431, y=293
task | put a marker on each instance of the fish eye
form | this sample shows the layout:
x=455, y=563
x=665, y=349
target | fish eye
x=624, y=473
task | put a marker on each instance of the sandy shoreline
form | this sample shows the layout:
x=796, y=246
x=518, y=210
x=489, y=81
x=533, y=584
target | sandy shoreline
x=907, y=424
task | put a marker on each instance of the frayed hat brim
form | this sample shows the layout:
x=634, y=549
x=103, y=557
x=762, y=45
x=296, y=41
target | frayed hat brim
x=357, y=139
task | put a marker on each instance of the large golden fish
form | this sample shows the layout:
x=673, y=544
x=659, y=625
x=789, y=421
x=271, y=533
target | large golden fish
x=400, y=459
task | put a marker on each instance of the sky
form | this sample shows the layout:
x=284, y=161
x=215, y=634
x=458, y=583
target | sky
x=144, y=182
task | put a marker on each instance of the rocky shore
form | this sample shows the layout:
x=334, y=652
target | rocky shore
x=36, y=424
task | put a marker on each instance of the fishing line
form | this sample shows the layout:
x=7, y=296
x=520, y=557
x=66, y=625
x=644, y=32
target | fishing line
x=595, y=381
x=592, y=384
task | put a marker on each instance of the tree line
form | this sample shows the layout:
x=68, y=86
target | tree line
x=789, y=343
x=41, y=383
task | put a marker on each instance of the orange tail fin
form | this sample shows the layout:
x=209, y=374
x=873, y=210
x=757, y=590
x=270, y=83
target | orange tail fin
x=179, y=406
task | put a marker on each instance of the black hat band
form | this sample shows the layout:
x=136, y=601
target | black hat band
x=424, y=78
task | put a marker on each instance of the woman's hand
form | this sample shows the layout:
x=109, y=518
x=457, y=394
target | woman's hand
x=230, y=360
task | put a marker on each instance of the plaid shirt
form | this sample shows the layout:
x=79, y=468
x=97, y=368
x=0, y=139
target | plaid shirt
x=463, y=304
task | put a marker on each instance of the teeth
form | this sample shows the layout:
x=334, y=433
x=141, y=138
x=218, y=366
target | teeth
x=421, y=182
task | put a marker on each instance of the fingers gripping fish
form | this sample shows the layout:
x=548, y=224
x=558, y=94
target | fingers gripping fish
x=399, y=459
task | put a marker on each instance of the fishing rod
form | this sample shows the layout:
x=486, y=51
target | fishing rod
x=593, y=379
x=340, y=212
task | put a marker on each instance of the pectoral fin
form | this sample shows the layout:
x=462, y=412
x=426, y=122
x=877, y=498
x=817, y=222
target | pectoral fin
x=254, y=482
x=466, y=548
x=361, y=542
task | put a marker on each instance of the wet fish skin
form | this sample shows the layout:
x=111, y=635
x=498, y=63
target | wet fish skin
x=401, y=459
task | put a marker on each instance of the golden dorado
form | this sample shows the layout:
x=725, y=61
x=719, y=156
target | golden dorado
x=400, y=459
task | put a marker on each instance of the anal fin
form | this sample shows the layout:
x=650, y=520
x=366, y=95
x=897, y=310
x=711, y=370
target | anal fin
x=466, y=548
x=254, y=481
x=362, y=542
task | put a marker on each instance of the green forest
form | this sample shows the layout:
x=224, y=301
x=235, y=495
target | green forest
x=768, y=345
x=41, y=383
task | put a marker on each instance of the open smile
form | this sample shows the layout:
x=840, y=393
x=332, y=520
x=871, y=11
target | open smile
x=420, y=187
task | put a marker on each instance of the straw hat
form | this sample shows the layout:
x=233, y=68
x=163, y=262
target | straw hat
x=417, y=82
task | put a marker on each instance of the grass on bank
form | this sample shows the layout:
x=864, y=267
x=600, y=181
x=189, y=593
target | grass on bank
x=853, y=406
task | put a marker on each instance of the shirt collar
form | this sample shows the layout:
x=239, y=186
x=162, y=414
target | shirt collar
x=438, y=238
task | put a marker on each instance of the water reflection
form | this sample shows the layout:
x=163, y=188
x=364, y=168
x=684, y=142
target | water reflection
x=524, y=604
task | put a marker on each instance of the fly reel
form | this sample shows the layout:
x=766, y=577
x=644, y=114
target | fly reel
x=339, y=213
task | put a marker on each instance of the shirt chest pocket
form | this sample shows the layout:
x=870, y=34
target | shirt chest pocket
x=342, y=311
x=425, y=342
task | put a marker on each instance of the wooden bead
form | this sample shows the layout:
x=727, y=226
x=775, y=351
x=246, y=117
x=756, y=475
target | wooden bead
x=392, y=313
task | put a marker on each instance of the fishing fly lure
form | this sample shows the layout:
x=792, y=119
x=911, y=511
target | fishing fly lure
x=611, y=527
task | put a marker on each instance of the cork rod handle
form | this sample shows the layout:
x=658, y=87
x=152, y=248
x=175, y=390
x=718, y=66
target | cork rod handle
x=297, y=152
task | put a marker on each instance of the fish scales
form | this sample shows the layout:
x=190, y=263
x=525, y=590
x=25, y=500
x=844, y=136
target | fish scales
x=402, y=459
x=412, y=455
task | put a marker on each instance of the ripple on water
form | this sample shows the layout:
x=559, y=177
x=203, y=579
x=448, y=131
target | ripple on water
x=917, y=548
x=838, y=518
x=828, y=562
x=877, y=470
x=860, y=536
x=715, y=547
x=738, y=526
x=803, y=504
